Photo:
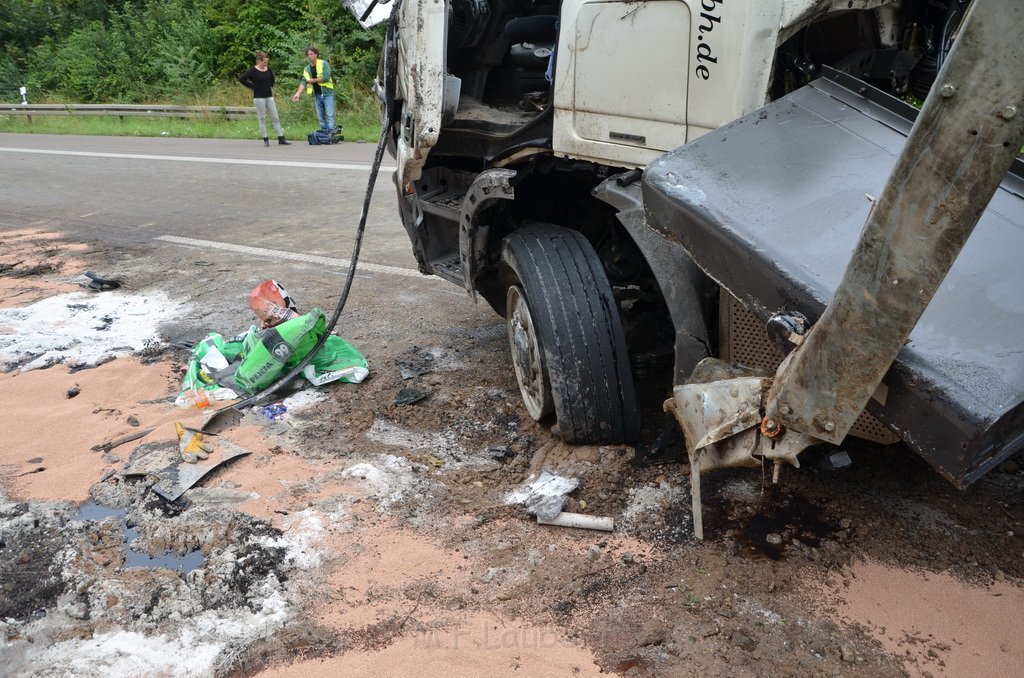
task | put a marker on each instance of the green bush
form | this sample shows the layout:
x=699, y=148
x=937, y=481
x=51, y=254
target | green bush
x=12, y=77
x=92, y=51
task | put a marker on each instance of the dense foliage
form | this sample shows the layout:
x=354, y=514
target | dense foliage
x=174, y=50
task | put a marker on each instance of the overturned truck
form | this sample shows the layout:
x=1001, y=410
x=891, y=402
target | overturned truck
x=683, y=183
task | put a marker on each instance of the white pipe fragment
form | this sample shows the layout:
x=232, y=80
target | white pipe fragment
x=580, y=520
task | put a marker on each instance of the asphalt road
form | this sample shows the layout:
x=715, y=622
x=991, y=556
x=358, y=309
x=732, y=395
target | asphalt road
x=298, y=199
x=208, y=220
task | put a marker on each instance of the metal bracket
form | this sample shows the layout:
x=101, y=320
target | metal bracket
x=489, y=185
x=720, y=411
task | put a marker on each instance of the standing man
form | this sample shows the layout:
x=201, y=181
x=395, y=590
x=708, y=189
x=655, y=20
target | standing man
x=316, y=78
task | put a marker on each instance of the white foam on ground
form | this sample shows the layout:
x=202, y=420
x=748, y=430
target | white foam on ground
x=306, y=531
x=444, y=445
x=649, y=501
x=389, y=480
x=195, y=649
x=126, y=653
x=201, y=644
x=82, y=327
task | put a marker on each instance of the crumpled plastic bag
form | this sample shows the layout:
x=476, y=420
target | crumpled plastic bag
x=272, y=304
x=253, y=360
x=337, y=360
x=210, y=357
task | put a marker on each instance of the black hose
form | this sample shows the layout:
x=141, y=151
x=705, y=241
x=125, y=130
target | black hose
x=374, y=169
x=954, y=17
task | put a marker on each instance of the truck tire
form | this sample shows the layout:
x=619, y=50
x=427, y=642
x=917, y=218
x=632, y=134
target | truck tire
x=568, y=348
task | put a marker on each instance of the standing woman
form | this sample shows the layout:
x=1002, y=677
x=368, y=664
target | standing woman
x=260, y=79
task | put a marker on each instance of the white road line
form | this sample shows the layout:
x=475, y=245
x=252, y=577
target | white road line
x=292, y=256
x=193, y=158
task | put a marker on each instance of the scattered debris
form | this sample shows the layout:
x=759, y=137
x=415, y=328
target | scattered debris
x=174, y=480
x=76, y=599
x=252, y=361
x=272, y=304
x=191, y=444
x=99, y=284
x=117, y=442
x=835, y=461
x=194, y=398
x=544, y=496
x=273, y=412
x=580, y=520
x=72, y=392
x=410, y=396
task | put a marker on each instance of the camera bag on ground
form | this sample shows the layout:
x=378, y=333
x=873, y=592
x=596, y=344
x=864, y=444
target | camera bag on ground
x=322, y=136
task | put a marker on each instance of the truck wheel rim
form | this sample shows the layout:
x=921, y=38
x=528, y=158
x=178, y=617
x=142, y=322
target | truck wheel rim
x=527, y=357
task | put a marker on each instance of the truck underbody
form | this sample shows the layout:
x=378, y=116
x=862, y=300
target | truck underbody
x=777, y=238
x=726, y=242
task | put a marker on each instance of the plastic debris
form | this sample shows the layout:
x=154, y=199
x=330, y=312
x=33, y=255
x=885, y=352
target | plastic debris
x=171, y=481
x=835, y=461
x=252, y=361
x=579, y=520
x=544, y=496
x=272, y=304
x=99, y=284
x=273, y=412
x=410, y=396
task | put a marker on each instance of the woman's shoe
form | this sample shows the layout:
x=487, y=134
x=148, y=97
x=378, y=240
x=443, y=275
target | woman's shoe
x=266, y=141
x=283, y=142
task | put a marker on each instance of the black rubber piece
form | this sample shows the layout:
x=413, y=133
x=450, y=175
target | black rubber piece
x=579, y=331
x=101, y=284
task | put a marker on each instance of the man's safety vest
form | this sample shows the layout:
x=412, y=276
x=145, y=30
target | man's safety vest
x=319, y=74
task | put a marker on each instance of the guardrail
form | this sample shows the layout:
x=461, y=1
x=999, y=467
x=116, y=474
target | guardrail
x=128, y=110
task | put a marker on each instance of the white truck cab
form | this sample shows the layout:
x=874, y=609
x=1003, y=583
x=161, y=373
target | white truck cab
x=508, y=118
x=630, y=80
